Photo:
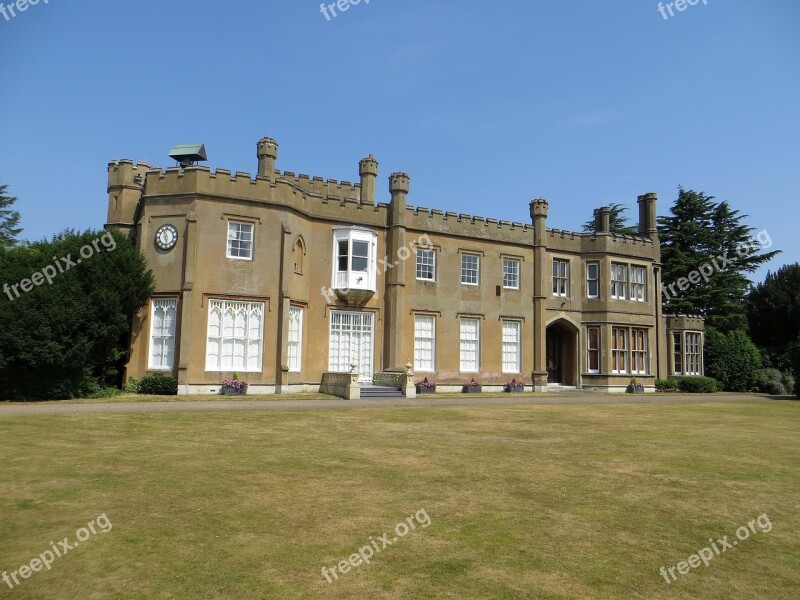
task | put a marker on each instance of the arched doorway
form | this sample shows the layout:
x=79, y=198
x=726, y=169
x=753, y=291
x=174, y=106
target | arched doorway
x=561, y=355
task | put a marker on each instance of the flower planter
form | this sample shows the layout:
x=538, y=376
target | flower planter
x=471, y=389
x=514, y=389
x=635, y=390
x=226, y=391
x=426, y=389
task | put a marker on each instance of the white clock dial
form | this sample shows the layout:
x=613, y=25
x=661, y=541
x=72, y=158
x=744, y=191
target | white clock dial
x=166, y=237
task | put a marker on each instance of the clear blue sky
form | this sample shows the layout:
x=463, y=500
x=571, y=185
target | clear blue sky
x=486, y=105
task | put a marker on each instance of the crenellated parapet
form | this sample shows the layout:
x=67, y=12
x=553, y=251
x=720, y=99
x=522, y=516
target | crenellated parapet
x=313, y=197
x=438, y=221
x=126, y=172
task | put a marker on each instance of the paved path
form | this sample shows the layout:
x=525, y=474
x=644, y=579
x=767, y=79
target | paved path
x=56, y=408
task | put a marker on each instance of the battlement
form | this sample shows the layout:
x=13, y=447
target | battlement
x=685, y=322
x=446, y=222
x=125, y=172
x=316, y=185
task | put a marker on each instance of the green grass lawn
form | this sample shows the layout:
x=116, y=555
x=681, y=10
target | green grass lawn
x=580, y=501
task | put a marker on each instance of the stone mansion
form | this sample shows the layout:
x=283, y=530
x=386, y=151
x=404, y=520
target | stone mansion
x=286, y=279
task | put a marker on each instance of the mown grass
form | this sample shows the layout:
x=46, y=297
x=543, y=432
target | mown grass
x=579, y=501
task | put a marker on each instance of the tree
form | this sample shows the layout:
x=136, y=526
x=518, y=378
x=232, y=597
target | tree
x=64, y=336
x=707, y=253
x=618, y=222
x=773, y=314
x=8, y=219
x=732, y=359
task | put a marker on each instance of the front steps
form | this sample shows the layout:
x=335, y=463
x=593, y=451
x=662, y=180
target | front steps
x=379, y=391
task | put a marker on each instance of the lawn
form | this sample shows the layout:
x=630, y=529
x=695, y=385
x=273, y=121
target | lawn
x=579, y=501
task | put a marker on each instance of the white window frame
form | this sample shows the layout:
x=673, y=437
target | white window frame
x=470, y=345
x=677, y=353
x=166, y=358
x=592, y=351
x=294, y=351
x=422, y=362
x=639, y=352
x=253, y=340
x=638, y=275
x=619, y=350
x=561, y=277
x=511, y=350
x=352, y=278
x=590, y=280
x=235, y=230
x=511, y=278
x=426, y=261
x=693, y=353
x=619, y=287
x=469, y=272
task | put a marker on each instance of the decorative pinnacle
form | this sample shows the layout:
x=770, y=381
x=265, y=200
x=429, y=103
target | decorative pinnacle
x=539, y=207
x=368, y=166
x=267, y=147
x=399, y=182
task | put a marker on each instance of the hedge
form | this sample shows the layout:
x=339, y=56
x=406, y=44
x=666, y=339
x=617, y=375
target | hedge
x=698, y=385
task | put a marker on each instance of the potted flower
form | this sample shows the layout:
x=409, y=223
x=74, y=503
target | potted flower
x=634, y=387
x=471, y=387
x=234, y=387
x=514, y=387
x=426, y=387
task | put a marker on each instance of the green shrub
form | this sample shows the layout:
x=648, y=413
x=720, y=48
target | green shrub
x=732, y=359
x=132, y=385
x=67, y=339
x=770, y=381
x=666, y=384
x=788, y=381
x=158, y=385
x=698, y=385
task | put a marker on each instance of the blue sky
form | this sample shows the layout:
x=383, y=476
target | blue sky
x=486, y=105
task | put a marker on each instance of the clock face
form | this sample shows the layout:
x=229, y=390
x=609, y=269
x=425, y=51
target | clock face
x=166, y=237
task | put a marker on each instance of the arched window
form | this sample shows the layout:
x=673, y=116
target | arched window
x=299, y=252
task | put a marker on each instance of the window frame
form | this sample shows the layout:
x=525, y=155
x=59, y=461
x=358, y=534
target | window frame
x=154, y=303
x=561, y=279
x=636, y=286
x=228, y=304
x=229, y=240
x=294, y=349
x=617, y=351
x=677, y=353
x=418, y=361
x=347, y=278
x=476, y=341
x=421, y=253
x=517, y=345
x=507, y=273
x=596, y=280
x=617, y=283
x=593, y=351
x=693, y=359
x=476, y=270
x=639, y=351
